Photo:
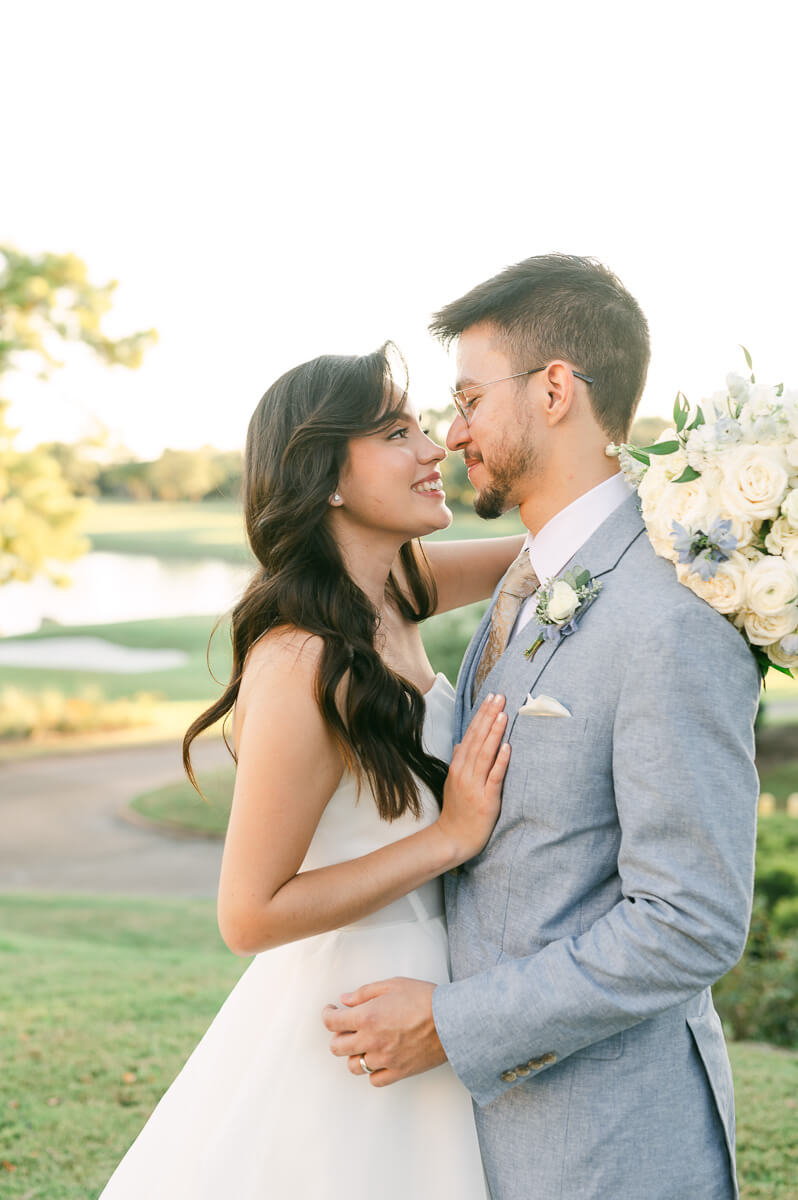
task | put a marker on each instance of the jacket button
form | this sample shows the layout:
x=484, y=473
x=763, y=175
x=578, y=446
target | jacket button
x=509, y=1076
x=549, y=1058
x=522, y=1072
x=536, y=1063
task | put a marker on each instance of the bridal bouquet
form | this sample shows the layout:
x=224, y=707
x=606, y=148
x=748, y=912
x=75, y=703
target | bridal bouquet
x=719, y=496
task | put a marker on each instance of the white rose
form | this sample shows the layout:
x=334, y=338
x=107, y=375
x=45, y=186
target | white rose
x=563, y=602
x=762, y=631
x=682, y=502
x=663, y=546
x=791, y=450
x=771, y=591
x=782, y=538
x=726, y=590
x=754, y=481
x=651, y=486
x=789, y=508
x=781, y=653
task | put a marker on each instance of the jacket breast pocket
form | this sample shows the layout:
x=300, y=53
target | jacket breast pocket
x=532, y=736
x=545, y=747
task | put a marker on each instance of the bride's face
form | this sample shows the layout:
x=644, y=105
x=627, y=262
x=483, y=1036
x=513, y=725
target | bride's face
x=391, y=482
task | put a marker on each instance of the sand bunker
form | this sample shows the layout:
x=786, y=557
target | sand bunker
x=87, y=654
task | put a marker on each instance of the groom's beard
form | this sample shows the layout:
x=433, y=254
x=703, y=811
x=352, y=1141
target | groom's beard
x=497, y=496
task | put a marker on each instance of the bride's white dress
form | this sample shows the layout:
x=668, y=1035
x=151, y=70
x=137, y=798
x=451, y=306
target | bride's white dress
x=262, y=1109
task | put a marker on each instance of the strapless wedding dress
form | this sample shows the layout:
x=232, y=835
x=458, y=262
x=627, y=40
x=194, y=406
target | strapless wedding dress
x=263, y=1111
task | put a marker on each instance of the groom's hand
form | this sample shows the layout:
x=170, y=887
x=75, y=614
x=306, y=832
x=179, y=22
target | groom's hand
x=390, y=1025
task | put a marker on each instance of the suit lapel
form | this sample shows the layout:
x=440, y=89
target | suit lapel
x=513, y=674
x=464, y=708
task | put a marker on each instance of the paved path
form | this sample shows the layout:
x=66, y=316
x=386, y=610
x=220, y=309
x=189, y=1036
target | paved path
x=61, y=828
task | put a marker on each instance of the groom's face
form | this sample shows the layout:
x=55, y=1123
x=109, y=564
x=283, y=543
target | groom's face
x=498, y=443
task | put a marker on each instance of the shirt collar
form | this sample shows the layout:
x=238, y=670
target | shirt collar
x=559, y=540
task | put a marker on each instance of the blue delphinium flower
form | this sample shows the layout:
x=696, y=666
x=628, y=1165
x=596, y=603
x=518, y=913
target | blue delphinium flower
x=727, y=432
x=704, y=549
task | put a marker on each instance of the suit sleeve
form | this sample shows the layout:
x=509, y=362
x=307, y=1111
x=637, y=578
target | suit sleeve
x=686, y=793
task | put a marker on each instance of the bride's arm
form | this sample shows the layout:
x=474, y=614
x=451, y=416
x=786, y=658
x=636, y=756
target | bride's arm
x=288, y=768
x=469, y=570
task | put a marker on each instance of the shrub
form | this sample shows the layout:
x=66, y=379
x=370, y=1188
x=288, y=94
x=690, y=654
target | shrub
x=33, y=714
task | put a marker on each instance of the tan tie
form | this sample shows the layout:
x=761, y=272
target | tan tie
x=519, y=582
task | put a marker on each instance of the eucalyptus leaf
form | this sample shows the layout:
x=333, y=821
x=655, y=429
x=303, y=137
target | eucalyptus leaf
x=687, y=476
x=639, y=455
x=748, y=358
x=700, y=419
x=582, y=579
x=662, y=448
x=681, y=411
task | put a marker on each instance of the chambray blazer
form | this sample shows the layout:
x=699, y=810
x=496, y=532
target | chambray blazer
x=615, y=889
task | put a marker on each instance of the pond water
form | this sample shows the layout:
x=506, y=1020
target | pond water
x=87, y=654
x=123, y=587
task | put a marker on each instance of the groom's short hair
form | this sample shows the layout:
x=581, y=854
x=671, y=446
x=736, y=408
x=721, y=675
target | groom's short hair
x=564, y=306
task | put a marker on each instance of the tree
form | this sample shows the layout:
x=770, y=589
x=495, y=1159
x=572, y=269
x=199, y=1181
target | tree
x=46, y=302
x=186, y=474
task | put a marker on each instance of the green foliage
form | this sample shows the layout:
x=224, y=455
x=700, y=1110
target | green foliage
x=785, y=917
x=46, y=302
x=26, y=714
x=758, y=998
x=39, y=513
x=688, y=475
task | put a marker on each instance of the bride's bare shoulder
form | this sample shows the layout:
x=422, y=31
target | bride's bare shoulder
x=284, y=650
x=279, y=675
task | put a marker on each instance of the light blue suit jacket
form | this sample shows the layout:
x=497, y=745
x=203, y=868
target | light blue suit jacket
x=616, y=888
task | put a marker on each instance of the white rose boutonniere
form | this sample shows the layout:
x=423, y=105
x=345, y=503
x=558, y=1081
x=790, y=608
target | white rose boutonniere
x=561, y=603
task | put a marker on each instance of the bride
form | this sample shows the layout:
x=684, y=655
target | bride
x=343, y=815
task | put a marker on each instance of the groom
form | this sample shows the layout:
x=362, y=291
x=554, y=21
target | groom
x=616, y=887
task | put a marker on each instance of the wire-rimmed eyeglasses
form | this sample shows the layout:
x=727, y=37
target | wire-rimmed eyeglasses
x=465, y=407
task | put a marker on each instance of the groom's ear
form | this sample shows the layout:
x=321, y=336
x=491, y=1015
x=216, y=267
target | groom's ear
x=558, y=380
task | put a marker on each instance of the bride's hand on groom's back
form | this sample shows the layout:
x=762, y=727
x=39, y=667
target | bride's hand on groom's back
x=472, y=793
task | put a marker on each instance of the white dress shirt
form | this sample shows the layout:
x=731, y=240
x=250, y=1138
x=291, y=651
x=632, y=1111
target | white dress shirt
x=562, y=536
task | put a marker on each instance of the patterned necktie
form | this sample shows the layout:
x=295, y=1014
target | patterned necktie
x=519, y=582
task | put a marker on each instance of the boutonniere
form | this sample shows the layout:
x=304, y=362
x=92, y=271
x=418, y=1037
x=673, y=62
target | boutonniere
x=561, y=604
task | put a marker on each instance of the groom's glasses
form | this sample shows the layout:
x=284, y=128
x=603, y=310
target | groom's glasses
x=465, y=407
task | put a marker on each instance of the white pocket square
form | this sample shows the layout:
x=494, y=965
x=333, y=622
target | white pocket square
x=543, y=706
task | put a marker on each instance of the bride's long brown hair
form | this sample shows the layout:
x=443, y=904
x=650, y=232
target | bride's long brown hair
x=297, y=445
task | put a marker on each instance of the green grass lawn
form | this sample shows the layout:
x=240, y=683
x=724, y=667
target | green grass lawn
x=189, y=682
x=212, y=529
x=178, y=806
x=102, y=999
x=186, y=690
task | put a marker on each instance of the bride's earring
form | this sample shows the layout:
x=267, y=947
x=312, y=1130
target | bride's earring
x=336, y=499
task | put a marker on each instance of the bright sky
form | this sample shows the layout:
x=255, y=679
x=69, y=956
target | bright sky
x=273, y=181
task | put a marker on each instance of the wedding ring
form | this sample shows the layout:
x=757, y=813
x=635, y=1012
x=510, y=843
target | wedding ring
x=369, y=1070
